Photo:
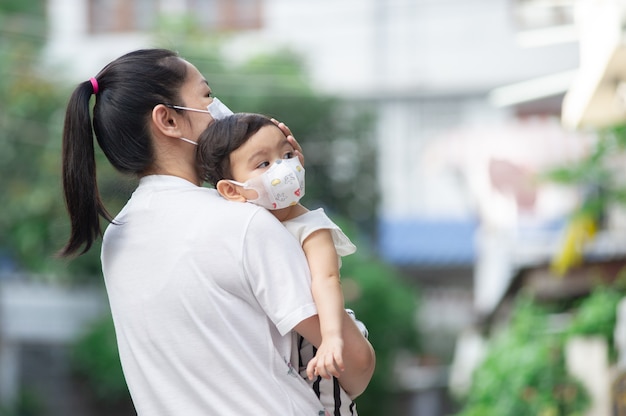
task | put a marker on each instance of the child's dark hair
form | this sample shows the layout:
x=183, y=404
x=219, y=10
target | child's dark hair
x=126, y=91
x=220, y=139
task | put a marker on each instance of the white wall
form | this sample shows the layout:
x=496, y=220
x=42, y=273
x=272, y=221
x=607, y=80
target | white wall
x=366, y=47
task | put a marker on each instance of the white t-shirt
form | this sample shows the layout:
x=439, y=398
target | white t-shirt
x=204, y=294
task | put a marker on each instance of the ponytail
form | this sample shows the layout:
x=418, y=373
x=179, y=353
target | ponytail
x=127, y=89
x=80, y=186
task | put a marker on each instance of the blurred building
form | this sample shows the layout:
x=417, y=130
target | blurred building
x=468, y=101
x=37, y=323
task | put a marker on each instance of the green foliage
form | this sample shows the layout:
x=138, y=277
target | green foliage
x=27, y=403
x=96, y=358
x=600, y=180
x=596, y=174
x=524, y=371
x=22, y=7
x=29, y=146
x=34, y=224
x=596, y=315
x=387, y=305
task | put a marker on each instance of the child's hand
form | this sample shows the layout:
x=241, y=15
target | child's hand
x=328, y=360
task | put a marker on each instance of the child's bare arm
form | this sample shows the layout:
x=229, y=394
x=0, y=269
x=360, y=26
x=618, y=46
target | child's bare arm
x=326, y=288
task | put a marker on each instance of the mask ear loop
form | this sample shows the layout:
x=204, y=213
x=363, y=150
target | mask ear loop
x=188, y=141
x=245, y=185
x=234, y=182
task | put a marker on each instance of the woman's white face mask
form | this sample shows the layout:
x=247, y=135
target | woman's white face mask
x=216, y=109
x=281, y=186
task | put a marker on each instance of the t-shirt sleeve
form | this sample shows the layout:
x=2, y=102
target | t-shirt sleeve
x=304, y=225
x=277, y=272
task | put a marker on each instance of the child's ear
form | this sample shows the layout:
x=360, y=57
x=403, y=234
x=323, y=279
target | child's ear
x=229, y=191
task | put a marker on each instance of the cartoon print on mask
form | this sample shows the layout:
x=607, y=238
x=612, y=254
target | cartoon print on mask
x=290, y=178
x=280, y=197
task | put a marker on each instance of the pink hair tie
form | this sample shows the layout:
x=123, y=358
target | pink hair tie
x=94, y=85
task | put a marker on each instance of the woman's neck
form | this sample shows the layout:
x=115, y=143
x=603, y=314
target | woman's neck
x=175, y=158
x=179, y=171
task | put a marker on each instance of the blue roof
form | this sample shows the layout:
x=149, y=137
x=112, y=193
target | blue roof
x=427, y=242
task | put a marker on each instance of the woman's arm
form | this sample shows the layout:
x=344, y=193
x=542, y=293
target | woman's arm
x=321, y=255
x=359, y=357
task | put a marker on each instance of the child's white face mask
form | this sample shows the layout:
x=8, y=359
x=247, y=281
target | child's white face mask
x=281, y=186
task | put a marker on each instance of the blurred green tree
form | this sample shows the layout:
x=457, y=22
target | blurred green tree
x=599, y=178
x=34, y=225
x=537, y=381
x=27, y=107
x=518, y=377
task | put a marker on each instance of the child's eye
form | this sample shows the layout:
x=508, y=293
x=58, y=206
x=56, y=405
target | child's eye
x=263, y=165
x=288, y=155
x=210, y=94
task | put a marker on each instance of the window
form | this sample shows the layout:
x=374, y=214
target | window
x=227, y=14
x=121, y=15
x=541, y=14
x=106, y=16
x=544, y=22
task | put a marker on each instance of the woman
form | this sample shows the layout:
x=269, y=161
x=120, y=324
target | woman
x=203, y=306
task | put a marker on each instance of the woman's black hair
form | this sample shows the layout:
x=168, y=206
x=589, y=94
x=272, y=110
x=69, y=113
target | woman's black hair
x=220, y=139
x=127, y=91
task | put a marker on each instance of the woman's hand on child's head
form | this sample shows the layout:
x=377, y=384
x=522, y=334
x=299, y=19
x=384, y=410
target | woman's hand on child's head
x=328, y=361
x=292, y=140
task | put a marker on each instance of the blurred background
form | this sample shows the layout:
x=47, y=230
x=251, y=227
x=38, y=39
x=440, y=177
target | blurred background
x=473, y=150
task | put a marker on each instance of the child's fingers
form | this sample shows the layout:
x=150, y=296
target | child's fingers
x=330, y=367
x=311, y=369
x=300, y=157
x=283, y=127
x=292, y=140
x=322, y=371
x=297, y=148
x=338, y=358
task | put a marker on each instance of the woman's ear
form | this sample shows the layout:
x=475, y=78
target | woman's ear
x=165, y=120
x=229, y=191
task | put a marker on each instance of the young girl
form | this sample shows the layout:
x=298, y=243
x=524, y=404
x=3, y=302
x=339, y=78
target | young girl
x=248, y=158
